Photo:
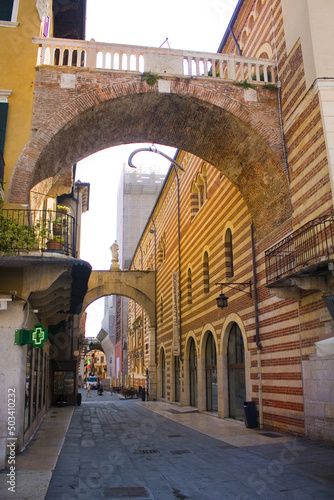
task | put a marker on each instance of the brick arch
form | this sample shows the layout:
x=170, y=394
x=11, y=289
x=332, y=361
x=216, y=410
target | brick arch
x=241, y=138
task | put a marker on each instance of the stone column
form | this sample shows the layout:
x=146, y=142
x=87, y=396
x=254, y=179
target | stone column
x=185, y=383
x=201, y=384
x=220, y=386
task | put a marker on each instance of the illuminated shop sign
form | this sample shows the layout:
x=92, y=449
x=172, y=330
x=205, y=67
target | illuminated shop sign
x=36, y=337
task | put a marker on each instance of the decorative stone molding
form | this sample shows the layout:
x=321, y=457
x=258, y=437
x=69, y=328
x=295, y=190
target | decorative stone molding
x=4, y=94
x=43, y=7
x=324, y=84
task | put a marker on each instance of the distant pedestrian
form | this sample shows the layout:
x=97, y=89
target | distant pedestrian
x=88, y=394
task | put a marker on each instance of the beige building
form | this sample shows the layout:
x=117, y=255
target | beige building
x=42, y=279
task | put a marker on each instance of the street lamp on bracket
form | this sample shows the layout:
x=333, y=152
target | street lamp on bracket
x=222, y=300
x=152, y=149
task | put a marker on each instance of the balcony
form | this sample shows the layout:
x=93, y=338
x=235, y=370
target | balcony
x=171, y=62
x=307, y=252
x=23, y=231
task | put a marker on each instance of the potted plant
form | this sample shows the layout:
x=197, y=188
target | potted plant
x=57, y=227
x=55, y=243
x=62, y=209
x=14, y=236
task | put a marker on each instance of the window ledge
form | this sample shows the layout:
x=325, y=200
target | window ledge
x=4, y=94
x=8, y=24
x=199, y=210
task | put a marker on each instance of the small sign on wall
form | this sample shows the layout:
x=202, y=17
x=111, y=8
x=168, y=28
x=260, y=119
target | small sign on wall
x=36, y=337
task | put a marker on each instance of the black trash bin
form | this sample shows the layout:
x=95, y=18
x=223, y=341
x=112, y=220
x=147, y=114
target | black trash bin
x=250, y=414
x=143, y=395
x=79, y=398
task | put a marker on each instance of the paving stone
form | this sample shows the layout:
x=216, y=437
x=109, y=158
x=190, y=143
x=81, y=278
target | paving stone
x=141, y=448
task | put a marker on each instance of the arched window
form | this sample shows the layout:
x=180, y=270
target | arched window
x=243, y=38
x=206, y=277
x=258, y=8
x=211, y=374
x=161, y=254
x=198, y=192
x=189, y=288
x=251, y=22
x=194, y=200
x=161, y=310
x=201, y=189
x=229, y=254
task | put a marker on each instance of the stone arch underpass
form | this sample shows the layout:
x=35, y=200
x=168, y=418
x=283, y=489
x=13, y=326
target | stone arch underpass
x=77, y=112
x=136, y=285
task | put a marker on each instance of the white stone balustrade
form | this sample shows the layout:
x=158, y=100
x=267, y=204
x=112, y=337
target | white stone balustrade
x=110, y=56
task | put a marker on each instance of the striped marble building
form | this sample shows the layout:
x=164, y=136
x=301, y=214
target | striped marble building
x=272, y=344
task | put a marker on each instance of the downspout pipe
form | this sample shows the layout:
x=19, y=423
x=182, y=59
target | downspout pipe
x=179, y=251
x=279, y=99
x=257, y=330
x=155, y=269
x=235, y=41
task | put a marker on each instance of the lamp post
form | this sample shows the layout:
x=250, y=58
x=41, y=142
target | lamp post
x=153, y=149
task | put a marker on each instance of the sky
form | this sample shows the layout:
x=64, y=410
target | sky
x=187, y=24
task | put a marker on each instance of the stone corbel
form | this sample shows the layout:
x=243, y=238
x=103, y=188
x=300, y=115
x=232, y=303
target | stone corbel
x=286, y=292
x=331, y=267
x=311, y=283
x=44, y=8
x=292, y=291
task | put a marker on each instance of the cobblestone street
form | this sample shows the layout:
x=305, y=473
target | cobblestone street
x=121, y=449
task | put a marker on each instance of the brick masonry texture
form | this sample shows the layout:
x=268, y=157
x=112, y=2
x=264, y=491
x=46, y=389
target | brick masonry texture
x=209, y=119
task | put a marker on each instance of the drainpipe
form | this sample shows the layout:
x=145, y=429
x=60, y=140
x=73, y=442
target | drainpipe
x=280, y=112
x=141, y=258
x=257, y=330
x=235, y=41
x=155, y=269
x=179, y=251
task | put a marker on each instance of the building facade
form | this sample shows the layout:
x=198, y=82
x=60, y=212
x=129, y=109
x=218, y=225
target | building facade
x=42, y=278
x=137, y=192
x=273, y=343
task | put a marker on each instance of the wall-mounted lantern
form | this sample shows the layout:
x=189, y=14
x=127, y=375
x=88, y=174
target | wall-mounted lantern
x=222, y=300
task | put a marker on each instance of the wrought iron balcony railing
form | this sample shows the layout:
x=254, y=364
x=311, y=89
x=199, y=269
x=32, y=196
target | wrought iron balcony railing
x=37, y=230
x=311, y=244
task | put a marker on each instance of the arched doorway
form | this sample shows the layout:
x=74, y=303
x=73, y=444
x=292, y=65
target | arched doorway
x=193, y=374
x=236, y=373
x=163, y=373
x=211, y=374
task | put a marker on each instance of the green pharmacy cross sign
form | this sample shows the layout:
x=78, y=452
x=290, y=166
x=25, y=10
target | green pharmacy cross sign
x=36, y=337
